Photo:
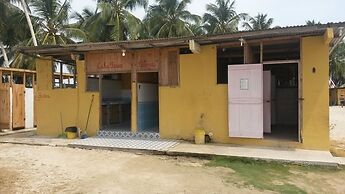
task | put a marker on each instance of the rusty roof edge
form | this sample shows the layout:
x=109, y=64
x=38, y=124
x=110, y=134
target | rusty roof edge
x=274, y=32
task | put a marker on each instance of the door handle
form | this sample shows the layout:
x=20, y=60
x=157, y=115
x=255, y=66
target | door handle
x=300, y=99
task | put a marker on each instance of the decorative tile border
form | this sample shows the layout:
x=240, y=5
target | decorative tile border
x=122, y=143
x=128, y=135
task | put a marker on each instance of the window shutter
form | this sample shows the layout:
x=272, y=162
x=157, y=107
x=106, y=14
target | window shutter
x=169, y=70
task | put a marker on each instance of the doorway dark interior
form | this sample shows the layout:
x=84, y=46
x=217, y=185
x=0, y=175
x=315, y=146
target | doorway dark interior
x=284, y=101
x=148, y=106
x=116, y=102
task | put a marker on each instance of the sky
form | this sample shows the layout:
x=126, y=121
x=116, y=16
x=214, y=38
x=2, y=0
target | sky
x=284, y=12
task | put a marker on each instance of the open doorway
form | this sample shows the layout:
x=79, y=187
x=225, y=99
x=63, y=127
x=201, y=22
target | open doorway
x=281, y=108
x=148, y=106
x=116, y=102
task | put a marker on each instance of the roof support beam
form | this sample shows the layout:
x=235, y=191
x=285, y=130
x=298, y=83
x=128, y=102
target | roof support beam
x=194, y=47
x=328, y=36
x=341, y=37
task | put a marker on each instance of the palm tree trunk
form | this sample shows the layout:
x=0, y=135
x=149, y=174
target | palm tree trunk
x=28, y=19
x=6, y=63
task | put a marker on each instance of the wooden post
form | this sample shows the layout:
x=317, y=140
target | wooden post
x=33, y=80
x=100, y=78
x=75, y=77
x=11, y=100
x=11, y=79
x=24, y=79
x=61, y=76
x=134, y=99
x=261, y=52
x=248, y=54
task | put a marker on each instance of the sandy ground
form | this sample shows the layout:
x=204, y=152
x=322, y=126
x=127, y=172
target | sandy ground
x=44, y=169
x=337, y=130
x=337, y=123
x=40, y=169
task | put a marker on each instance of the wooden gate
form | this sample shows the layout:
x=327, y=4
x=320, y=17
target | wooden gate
x=18, y=103
x=4, y=106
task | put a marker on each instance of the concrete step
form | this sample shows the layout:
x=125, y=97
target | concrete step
x=19, y=133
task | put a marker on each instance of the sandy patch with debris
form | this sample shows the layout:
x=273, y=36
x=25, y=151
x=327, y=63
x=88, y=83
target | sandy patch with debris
x=337, y=123
x=337, y=130
x=39, y=169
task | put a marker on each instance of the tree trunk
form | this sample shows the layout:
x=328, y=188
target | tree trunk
x=6, y=63
x=28, y=19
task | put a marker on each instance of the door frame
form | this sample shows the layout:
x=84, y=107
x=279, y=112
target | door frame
x=100, y=93
x=267, y=76
x=300, y=92
x=137, y=101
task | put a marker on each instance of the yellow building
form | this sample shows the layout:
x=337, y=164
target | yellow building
x=262, y=88
x=336, y=96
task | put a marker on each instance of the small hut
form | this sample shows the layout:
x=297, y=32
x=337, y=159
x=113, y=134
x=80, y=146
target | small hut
x=17, y=89
x=336, y=95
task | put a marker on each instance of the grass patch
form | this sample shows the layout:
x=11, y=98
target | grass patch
x=272, y=176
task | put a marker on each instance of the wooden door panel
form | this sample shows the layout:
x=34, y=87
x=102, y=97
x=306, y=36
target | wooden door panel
x=245, y=91
x=4, y=106
x=18, y=103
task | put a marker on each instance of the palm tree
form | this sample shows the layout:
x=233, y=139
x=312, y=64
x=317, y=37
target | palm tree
x=337, y=65
x=53, y=27
x=170, y=18
x=28, y=19
x=86, y=21
x=26, y=10
x=3, y=16
x=113, y=20
x=12, y=29
x=83, y=17
x=222, y=17
x=197, y=27
x=312, y=23
x=259, y=22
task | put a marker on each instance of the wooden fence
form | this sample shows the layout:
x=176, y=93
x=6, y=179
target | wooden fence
x=17, y=98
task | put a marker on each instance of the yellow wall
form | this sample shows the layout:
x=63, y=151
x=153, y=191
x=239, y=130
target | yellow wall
x=61, y=108
x=198, y=93
x=315, y=130
x=84, y=102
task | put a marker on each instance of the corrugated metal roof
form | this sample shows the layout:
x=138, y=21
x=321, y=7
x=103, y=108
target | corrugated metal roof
x=289, y=31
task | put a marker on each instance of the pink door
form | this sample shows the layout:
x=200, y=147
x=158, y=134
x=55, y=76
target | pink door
x=267, y=101
x=245, y=92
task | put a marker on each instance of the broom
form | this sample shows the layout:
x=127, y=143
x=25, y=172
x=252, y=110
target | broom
x=84, y=135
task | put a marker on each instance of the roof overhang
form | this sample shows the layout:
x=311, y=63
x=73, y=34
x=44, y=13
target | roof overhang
x=61, y=51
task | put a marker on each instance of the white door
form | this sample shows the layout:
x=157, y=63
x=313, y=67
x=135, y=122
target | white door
x=267, y=101
x=245, y=92
x=29, y=108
